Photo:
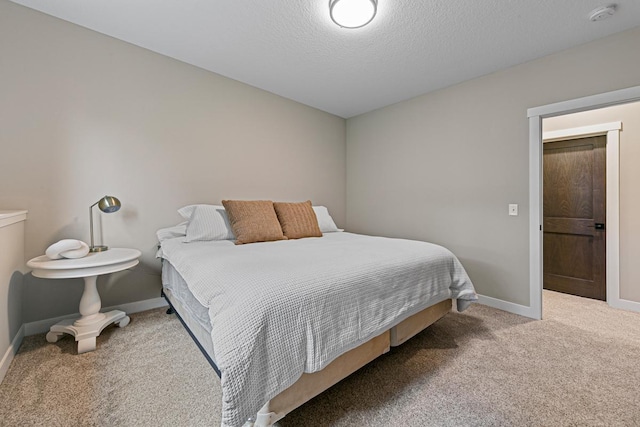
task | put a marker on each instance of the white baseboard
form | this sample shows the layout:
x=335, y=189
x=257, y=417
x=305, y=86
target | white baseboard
x=511, y=307
x=42, y=326
x=11, y=351
x=625, y=305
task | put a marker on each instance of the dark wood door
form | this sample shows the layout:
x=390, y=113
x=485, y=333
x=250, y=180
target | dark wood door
x=574, y=210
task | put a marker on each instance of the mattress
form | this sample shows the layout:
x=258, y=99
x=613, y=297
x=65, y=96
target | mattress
x=193, y=314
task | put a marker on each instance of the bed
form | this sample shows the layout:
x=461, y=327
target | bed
x=282, y=321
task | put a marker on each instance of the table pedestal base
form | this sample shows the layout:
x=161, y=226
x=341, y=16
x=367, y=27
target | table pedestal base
x=85, y=332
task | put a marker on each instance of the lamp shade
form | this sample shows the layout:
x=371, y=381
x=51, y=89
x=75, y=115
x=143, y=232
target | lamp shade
x=109, y=204
x=352, y=13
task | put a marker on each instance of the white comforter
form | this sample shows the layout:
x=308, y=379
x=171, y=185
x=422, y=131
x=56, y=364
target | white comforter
x=279, y=309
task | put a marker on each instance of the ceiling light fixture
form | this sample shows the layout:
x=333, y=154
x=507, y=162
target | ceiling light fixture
x=603, y=12
x=352, y=13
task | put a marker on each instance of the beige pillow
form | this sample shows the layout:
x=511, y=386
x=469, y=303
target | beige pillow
x=253, y=221
x=298, y=220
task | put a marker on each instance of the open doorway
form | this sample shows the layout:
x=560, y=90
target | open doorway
x=595, y=115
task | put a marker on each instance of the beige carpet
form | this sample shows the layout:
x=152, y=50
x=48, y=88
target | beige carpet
x=578, y=367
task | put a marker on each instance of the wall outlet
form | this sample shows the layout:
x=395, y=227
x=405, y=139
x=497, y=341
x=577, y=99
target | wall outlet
x=513, y=209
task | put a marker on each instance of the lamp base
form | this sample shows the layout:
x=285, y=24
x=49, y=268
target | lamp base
x=98, y=248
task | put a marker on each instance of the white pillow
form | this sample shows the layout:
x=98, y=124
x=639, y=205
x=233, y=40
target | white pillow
x=186, y=211
x=324, y=220
x=179, y=230
x=207, y=222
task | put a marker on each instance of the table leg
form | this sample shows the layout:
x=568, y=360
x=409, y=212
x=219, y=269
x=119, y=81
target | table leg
x=87, y=344
x=88, y=327
x=53, y=336
x=90, y=303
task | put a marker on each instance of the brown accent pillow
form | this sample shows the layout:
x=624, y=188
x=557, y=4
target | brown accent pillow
x=253, y=221
x=298, y=220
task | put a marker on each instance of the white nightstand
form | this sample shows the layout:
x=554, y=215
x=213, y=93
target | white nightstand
x=88, y=327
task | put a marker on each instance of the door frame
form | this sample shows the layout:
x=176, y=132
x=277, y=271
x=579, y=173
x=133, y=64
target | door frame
x=535, y=116
x=612, y=205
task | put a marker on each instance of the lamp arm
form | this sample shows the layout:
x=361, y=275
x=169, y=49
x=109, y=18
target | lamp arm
x=91, y=221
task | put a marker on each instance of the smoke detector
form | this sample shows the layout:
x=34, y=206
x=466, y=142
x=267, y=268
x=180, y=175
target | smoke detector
x=601, y=13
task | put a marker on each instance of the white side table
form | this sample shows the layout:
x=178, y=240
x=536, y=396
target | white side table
x=92, y=322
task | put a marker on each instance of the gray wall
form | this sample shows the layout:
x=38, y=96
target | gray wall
x=629, y=115
x=444, y=166
x=83, y=115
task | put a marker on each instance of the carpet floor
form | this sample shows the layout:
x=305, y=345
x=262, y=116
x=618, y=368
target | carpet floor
x=580, y=366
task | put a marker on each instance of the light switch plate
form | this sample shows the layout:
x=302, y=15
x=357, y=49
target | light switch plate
x=513, y=209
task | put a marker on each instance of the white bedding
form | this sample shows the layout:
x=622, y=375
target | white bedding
x=279, y=309
x=173, y=281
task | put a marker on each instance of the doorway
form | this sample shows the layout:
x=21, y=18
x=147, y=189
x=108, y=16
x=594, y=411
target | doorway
x=536, y=115
x=574, y=216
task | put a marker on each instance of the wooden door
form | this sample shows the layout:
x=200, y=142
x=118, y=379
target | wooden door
x=574, y=211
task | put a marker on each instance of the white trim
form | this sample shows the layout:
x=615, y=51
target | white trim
x=613, y=218
x=535, y=167
x=11, y=352
x=535, y=216
x=511, y=307
x=613, y=225
x=42, y=326
x=11, y=217
x=601, y=100
x=581, y=132
x=627, y=305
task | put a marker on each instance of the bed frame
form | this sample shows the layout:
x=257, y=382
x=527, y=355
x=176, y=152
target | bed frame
x=310, y=385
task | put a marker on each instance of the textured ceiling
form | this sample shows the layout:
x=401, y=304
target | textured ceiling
x=293, y=49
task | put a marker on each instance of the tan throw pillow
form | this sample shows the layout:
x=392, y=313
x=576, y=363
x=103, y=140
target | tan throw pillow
x=253, y=221
x=298, y=220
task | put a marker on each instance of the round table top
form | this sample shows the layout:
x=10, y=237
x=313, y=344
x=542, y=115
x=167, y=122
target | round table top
x=109, y=261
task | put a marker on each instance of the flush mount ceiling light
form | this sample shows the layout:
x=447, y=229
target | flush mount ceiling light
x=602, y=13
x=352, y=13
